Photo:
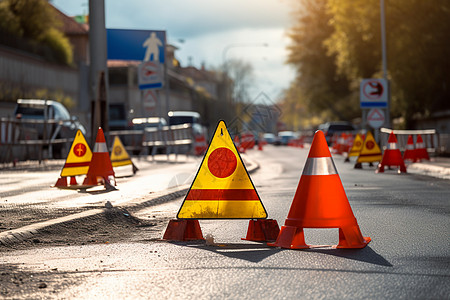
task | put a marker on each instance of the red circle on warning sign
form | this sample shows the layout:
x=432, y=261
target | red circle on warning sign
x=222, y=162
x=370, y=145
x=117, y=150
x=358, y=144
x=79, y=149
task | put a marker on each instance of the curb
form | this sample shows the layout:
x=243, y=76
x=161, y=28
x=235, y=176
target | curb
x=10, y=237
x=430, y=170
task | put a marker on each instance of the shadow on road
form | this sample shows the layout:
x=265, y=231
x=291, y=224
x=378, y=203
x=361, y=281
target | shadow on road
x=249, y=252
x=365, y=255
x=258, y=252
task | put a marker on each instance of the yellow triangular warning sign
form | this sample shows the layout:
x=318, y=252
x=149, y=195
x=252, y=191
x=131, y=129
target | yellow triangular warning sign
x=370, y=151
x=79, y=157
x=222, y=188
x=357, y=146
x=119, y=156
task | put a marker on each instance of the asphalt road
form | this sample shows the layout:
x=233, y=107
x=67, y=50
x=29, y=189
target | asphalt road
x=407, y=217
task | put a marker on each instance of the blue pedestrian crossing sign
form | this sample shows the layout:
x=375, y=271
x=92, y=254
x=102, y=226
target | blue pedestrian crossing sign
x=143, y=45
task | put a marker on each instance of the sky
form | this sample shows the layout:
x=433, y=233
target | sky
x=212, y=32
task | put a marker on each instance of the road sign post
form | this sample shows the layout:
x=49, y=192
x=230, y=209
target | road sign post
x=148, y=46
x=374, y=95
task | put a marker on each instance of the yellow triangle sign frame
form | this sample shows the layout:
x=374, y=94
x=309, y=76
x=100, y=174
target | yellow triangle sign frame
x=222, y=188
x=119, y=155
x=356, y=146
x=370, y=151
x=79, y=157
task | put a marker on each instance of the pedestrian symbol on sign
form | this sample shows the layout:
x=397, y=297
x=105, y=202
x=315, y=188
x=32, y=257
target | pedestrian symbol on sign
x=152, y=43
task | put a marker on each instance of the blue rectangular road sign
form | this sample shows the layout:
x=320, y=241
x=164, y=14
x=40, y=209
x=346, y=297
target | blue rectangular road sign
x=373, y=104
x=144, y=45
x=374, y=93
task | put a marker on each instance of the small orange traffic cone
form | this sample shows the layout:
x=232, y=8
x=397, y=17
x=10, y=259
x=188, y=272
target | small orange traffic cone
x=238, y=144
x=421, y=150
x=320, y=202
x=392, y=156
x=100, y=168
x=262, y=230
x=260, y=145
x=200, y=145
x=410, y=153
x=337, y=144
x=183, y=230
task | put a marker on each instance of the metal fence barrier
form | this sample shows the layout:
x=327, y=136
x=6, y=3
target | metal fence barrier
x=168, y=139
x=19, y=139
x=171, y=139
x=430, y=138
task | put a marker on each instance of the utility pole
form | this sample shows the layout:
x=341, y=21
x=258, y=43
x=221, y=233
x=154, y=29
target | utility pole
x=98, y=73
x=384, y=61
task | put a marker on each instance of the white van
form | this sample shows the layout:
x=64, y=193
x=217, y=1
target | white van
x=187, y=117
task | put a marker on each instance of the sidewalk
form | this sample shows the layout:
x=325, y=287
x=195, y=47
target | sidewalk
x=438, y=167
x=9, y=237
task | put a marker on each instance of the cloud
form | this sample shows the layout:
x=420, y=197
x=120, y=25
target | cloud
x=189, y=19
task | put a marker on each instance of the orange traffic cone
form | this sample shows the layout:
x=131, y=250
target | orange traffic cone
x=421, y=150
x=200, y=145
x=100, y=168
x=410, y=153
x=392, y=156
x=320, y=202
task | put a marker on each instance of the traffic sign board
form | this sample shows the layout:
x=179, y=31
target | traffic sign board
x=150, y=75
x=376, y=118
x=149, y=99
x=373, y=93
x=146, y=45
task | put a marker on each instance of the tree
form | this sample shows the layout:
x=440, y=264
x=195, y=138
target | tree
x=418, y=57
x=417, y=50
x=241, y=75
x=35, y=20
x=337, y=43
x=318, y=84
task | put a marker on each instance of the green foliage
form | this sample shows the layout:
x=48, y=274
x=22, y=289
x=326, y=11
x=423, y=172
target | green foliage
x=9, y=22
x=60, y=45
x=35, y=20
x=319, y=86
x=337, y=43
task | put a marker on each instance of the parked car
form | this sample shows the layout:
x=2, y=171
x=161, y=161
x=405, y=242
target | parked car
x=187, y=117
x=330, y=128
x=269, y=138
x=154, y=122
x=118, y=117
x=42, y=111
x=286, y=136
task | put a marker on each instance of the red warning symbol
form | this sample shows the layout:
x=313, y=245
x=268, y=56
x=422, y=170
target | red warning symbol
x=222, y=162
x=79, y=150
x=370, y=145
